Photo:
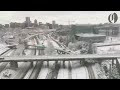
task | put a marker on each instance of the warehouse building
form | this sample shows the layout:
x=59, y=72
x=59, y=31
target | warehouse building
x=94, y=38
x=108, y=30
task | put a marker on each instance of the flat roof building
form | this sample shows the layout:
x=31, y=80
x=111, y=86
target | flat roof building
x=94, y=38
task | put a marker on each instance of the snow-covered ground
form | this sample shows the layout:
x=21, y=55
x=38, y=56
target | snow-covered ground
x=64, y=71
x=112, y=39
x=78, y=71
x=3, y=48
x=109, y=48
x=55, y=44
x=45, y=43
x=44, y=71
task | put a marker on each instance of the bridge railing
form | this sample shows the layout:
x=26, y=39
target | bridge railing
x=14, y=59
x=59, y=58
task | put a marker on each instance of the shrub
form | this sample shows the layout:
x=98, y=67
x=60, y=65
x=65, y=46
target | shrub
x=61, y=40
x=50, y=49
x=81, y=45
x=72, y=46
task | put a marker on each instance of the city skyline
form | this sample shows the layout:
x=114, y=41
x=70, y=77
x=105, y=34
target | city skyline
x=61, y=17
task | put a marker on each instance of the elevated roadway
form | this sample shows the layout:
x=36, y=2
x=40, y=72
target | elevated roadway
x=59, y=58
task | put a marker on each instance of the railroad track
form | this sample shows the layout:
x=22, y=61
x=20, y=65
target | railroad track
x=90, y=72
x=88, y=69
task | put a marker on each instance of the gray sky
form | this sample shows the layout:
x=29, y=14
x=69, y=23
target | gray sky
x=61, y=17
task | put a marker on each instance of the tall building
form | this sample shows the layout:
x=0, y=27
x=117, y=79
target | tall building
x=28, y=19
x=56, y=26
x=1, y=26
x=6, y=25
x=17, y=25
x=12, y=25
x=53, y=24
x=28, y=22
x=35, y=23
x=40, y=23
x=23, y=25
x=49, y=25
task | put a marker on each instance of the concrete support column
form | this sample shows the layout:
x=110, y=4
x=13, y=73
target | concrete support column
x=31, y=64
x=35, y=51
x=63, y=64
x=41, y=52
x=48, y=63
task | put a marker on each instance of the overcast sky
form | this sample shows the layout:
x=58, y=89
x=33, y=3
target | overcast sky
x=61, y=17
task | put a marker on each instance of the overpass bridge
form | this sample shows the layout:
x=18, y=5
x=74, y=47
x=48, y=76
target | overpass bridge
x=59, y=58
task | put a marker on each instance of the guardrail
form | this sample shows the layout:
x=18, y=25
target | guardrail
x=58, y=58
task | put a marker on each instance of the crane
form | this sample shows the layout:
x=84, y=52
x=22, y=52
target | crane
x=69, y=22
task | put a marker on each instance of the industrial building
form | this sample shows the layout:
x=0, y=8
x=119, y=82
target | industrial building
x=108, y=30
x=94, y=38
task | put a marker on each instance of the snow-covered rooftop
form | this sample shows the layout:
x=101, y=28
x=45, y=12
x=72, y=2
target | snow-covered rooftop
x=89, y=35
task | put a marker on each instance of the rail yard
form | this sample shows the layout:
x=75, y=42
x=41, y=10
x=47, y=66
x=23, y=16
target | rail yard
x=56, y=69
x=43, y=57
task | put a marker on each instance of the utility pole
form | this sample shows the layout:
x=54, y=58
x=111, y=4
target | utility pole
x=69, y=23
